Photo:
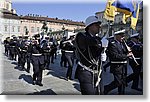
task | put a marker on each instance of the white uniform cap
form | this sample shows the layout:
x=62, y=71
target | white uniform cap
x=45, y=36
x=120, y=32
x=90, y=20
x=134, y=35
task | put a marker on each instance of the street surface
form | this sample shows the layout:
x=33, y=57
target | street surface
x=17, y=81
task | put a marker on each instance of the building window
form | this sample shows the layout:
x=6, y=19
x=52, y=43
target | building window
x=18, y=28
x=38, y=29
x=13, y=28
x=32, y=29
x=7, y=6
x=6, y=29
x=25, y=27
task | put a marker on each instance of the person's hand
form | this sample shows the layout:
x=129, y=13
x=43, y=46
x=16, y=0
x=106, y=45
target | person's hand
x=129, y=54
x=103, y=56
x=104, y=42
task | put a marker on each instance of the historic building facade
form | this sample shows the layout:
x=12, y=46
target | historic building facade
x=117, y=24
x=12, y=24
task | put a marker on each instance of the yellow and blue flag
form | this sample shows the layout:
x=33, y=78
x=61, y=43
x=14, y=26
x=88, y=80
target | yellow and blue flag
x=130, y=9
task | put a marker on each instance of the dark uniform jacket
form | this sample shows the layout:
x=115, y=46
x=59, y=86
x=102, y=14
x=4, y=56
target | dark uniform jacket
x=88, y=48
x=12, y=44
x=45, y=47
x=137, y=50
x=67, y=46
x=23, y=46
x=116, y=53
x=36, y=49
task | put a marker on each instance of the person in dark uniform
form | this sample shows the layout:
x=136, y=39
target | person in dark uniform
x=69, y=54
x=28, y=56
x=137, y=49
x=63, y=61
x=37, y=61
x=55, y=48
x=12, y=48
x=6, y=45
x=18, y=49
x=53, y=51
x=23, y=50
x=88, y=52
x=118, y=55
x=46, y=51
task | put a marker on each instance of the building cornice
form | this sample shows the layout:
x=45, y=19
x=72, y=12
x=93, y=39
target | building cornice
x=10, y=15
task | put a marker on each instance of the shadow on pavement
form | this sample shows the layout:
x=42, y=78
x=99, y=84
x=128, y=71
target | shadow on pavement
x=77, y=86
x=26, y=78
x=15, y=63
x=19, y=68
x=44, y=92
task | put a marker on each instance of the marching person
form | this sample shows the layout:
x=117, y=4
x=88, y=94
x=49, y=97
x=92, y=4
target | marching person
x=6, y=45
x=63, y=62
x=12, y=48
x=88, y=51
x=118, y=55
x=46, y=51
x=69, y=54
x=18, y=50
x=23, y=50
x=37, y=61
x=28, y=57
x=137, y=49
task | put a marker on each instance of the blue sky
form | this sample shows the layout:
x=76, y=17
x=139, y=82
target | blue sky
x=76, y=11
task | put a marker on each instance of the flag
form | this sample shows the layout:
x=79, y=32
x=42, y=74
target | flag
x=129, y=8
x=110, y=10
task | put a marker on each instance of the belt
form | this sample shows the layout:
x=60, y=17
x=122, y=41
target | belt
x=87, y=68
x=36, y=54
x=137, y=58
x=24, y=50
x=69, y=51
x=118, y=61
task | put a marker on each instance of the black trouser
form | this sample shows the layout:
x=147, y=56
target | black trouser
x=6, y=50
x=37, y=68
x=28, y=61
x=52, y=56
x=47, y=59
x=136, y=73
x=19, y=58
x=87, y=82
x=12, y=53
x=70, y=61
x=119, y=80
x=23, y=59
x=63, y=59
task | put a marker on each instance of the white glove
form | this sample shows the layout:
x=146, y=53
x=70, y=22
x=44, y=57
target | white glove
x=103, y=56
x=104, y=42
